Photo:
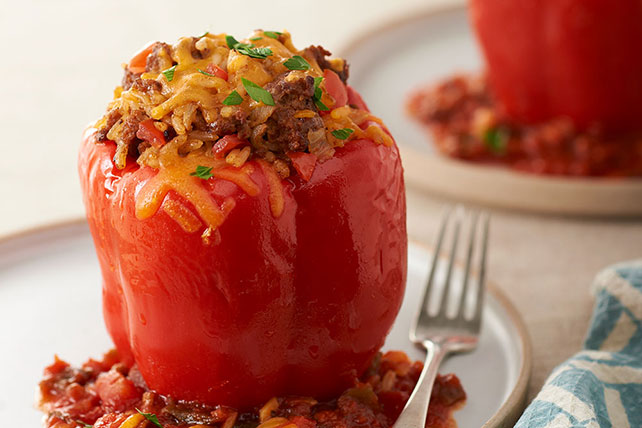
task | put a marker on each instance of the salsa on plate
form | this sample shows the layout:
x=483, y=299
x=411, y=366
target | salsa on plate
x=107, y=394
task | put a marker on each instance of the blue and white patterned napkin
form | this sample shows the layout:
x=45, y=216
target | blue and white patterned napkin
x=601, y=386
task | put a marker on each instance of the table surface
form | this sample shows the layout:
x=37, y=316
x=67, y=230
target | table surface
x=61, y=64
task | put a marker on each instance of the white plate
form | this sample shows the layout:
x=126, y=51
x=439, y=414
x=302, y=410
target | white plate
x=390, y=61
x=50, y=303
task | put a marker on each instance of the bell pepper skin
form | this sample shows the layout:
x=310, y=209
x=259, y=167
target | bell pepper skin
x=294, y=304
x=573, y=58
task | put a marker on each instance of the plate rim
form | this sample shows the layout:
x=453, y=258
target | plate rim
x=608, y=195
x=510, y=410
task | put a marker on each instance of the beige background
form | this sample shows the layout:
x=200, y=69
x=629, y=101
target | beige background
x=60, y=64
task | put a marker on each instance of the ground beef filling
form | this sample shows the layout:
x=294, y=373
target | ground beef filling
x=319, y=53
x=285, y=131
x=107, y=394
x=467, y=123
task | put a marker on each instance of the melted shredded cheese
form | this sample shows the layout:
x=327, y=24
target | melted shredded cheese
x=276, y=195
x=174, y=174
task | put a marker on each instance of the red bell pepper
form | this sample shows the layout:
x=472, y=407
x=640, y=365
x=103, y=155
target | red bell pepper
x=225, y=144
x=354, y=99
x=291, y=304
x=139, y=61
x=148, y=132
x=335, y=88
x=575, y=58
x=216, y=71
x=303, y=163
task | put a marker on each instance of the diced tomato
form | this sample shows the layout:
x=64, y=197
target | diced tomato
x=139, y=61
x=335, y=88
x=148, y=132
x=111, y=420
x=449, y=390
x=393, y=403
x=216, y=71
x=354, y=99
x=115, y=390
x=304, y=163
x=225, y=144
x=57, y=366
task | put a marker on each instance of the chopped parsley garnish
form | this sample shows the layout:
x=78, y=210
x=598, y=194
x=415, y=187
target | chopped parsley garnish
x=231, y=41
x=297, y=63
x=205, y=73
x=496, y=139
x=318, y=93
x=151, y=417
x=204, y=173
x=169, y=73
x=247, y=49
x=342, y=134
x=233, y=99
x=252, y=52
x=203, y=35
x=84, y=425
x=257, y=92
x=254, y=39
x=272, y=34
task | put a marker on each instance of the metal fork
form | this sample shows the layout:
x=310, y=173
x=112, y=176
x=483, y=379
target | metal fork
x=440, y=334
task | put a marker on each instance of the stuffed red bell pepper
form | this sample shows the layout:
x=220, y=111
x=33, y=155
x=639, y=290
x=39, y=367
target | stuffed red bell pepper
x=562, y=93
x=248, y=213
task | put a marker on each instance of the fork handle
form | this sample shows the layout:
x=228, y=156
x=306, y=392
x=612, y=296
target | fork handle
x=416, y=409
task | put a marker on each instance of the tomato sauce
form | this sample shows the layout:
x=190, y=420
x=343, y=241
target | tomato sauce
x=467, y=123
x=108, y=394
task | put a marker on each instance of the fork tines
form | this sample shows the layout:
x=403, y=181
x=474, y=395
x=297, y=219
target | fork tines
x=476, y=243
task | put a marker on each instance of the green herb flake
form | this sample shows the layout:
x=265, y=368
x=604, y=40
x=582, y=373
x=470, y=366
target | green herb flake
x=318, y=93
x=257, y=92
x=84, y=425
x=252, y=52
x=297, y=63
x=169, y=73
x=231, y=41
x=204, y=173
x=342, y=134
x=247, y=49
x=496, y=139
x=272, y=34
x=150, y=416
x=254, y=39
x=205, y=73
x=233, y=99
x=203, y=35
